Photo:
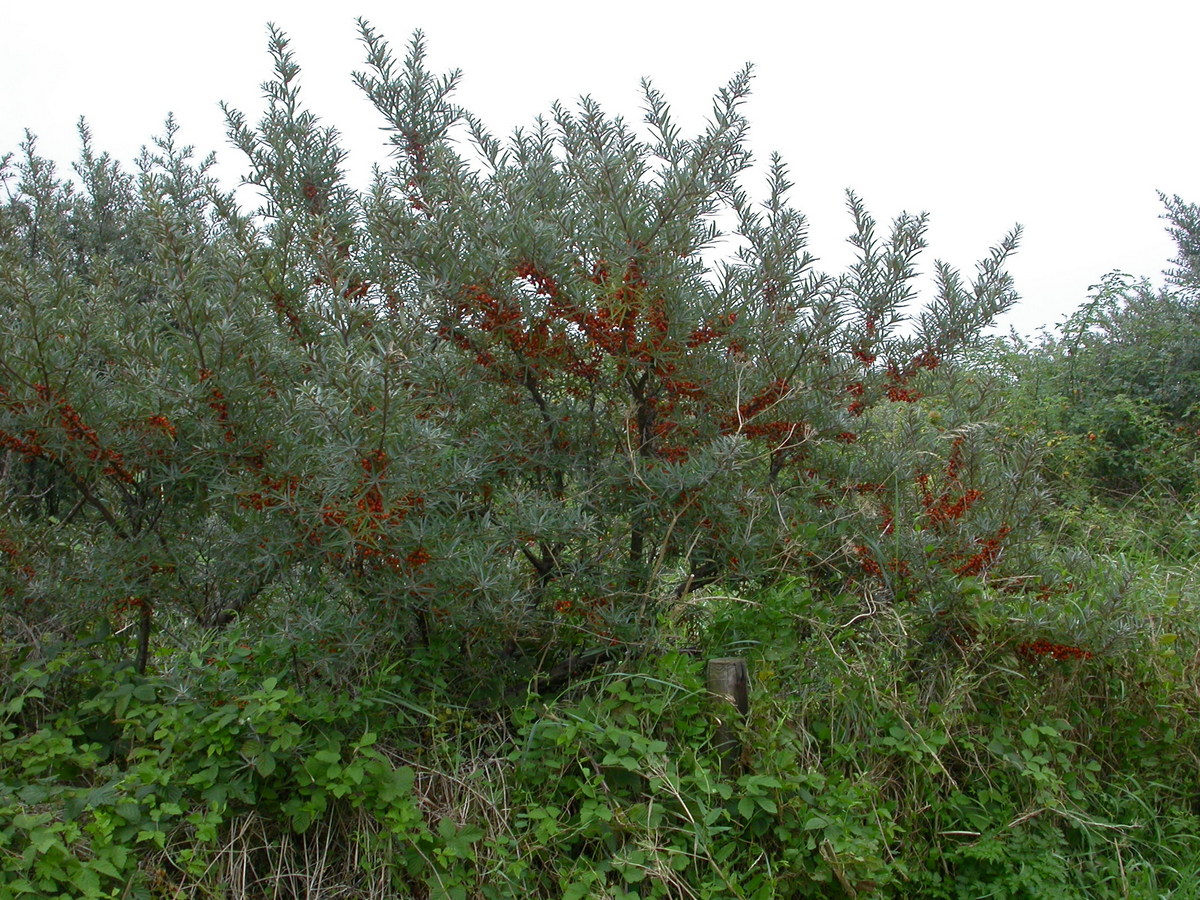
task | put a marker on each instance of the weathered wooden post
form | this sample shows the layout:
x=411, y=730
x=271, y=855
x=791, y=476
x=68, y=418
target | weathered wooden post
x=728, y=680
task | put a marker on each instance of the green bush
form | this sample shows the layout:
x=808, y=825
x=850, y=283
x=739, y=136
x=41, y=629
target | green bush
x=503, y=399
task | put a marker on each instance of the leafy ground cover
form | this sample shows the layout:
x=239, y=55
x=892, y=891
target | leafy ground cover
x=885, y=755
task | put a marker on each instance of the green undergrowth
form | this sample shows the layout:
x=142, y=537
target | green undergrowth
x=948, y=751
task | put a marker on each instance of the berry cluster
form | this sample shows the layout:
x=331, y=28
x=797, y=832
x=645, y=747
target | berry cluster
x=987, y=554
x=75, y=429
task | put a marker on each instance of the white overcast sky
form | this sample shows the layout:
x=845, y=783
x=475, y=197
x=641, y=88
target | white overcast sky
x=1066, y=117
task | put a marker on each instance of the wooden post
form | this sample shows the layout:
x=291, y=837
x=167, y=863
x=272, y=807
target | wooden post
x=728, y=680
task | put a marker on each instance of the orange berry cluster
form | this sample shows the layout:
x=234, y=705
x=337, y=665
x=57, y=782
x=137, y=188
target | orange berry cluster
x=161, y=423
x=986, y=556
x=898, y=394
x=871, y=566
x=29, y=447
x=77, y=430
x=218, y=405
x=711, y=330
x=776, y=432
x=948, y=506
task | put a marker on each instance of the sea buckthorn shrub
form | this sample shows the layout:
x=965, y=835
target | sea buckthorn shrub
x=509, y=396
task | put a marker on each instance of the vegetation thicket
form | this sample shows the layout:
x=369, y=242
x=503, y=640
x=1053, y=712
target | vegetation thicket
x=372, y=543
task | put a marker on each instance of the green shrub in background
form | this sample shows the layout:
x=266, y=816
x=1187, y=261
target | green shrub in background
x=1114, y=393
x=1119, y=384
